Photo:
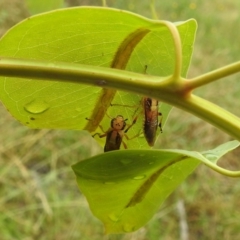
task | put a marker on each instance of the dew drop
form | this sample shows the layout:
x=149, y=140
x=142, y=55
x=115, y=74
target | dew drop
x=128, y=228
x=170, y=177
x=113, y=217
x=139, y=177
x=36, y=106
x=141, y=135
x=109, y=183
x=152, y=162
x=79, y=109
x=126, y=161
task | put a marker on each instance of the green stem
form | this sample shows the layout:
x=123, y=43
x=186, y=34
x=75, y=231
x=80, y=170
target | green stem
x=175, y=79
x=147, y=85
x=212, y=113
x=229, y=173
x=153, y=10
x=104, y=3
x=213, y=76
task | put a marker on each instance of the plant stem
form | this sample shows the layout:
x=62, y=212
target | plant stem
x=212, y=113
x=229, y=173
x=153, y=10
x=213, y=76
x=147, y=85
x=104, y=3
x=176, y=80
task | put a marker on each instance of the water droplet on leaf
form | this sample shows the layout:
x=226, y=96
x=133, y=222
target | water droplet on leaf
x=141, y=135
x=139, y=177
x=109, y=183
x=128, y=228
x=36, y=106
x=113, y=217
x=126, y=161
x=79, y=109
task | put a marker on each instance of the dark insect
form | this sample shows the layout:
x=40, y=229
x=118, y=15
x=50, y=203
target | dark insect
x=151, y=119
x=114, y=135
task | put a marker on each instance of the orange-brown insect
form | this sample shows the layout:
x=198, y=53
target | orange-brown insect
x=115, y=133
x=151, y=119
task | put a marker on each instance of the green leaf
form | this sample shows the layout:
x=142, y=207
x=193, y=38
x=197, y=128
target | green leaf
x=125, y=188
x=93, y=36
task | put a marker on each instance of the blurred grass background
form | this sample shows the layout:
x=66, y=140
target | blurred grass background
x=39, y=198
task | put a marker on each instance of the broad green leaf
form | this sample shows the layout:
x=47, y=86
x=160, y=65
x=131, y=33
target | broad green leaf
x=93, y=36
x=125, y=188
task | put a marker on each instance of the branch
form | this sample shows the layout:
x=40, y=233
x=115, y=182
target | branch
x=147, y=85
x=213, y=76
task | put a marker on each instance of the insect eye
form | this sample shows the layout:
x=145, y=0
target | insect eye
x=112, y=121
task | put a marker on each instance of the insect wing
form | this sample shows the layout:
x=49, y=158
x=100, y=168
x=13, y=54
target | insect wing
x=151, y=119
x=113, y=141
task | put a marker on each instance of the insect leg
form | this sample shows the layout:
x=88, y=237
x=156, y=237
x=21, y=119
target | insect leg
x=124, y=144
x=135, y=136
x=100, y=126
x=100, y=135
x=160, y=122
x=123, y=105
x=128, y=106
x=134, y=121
